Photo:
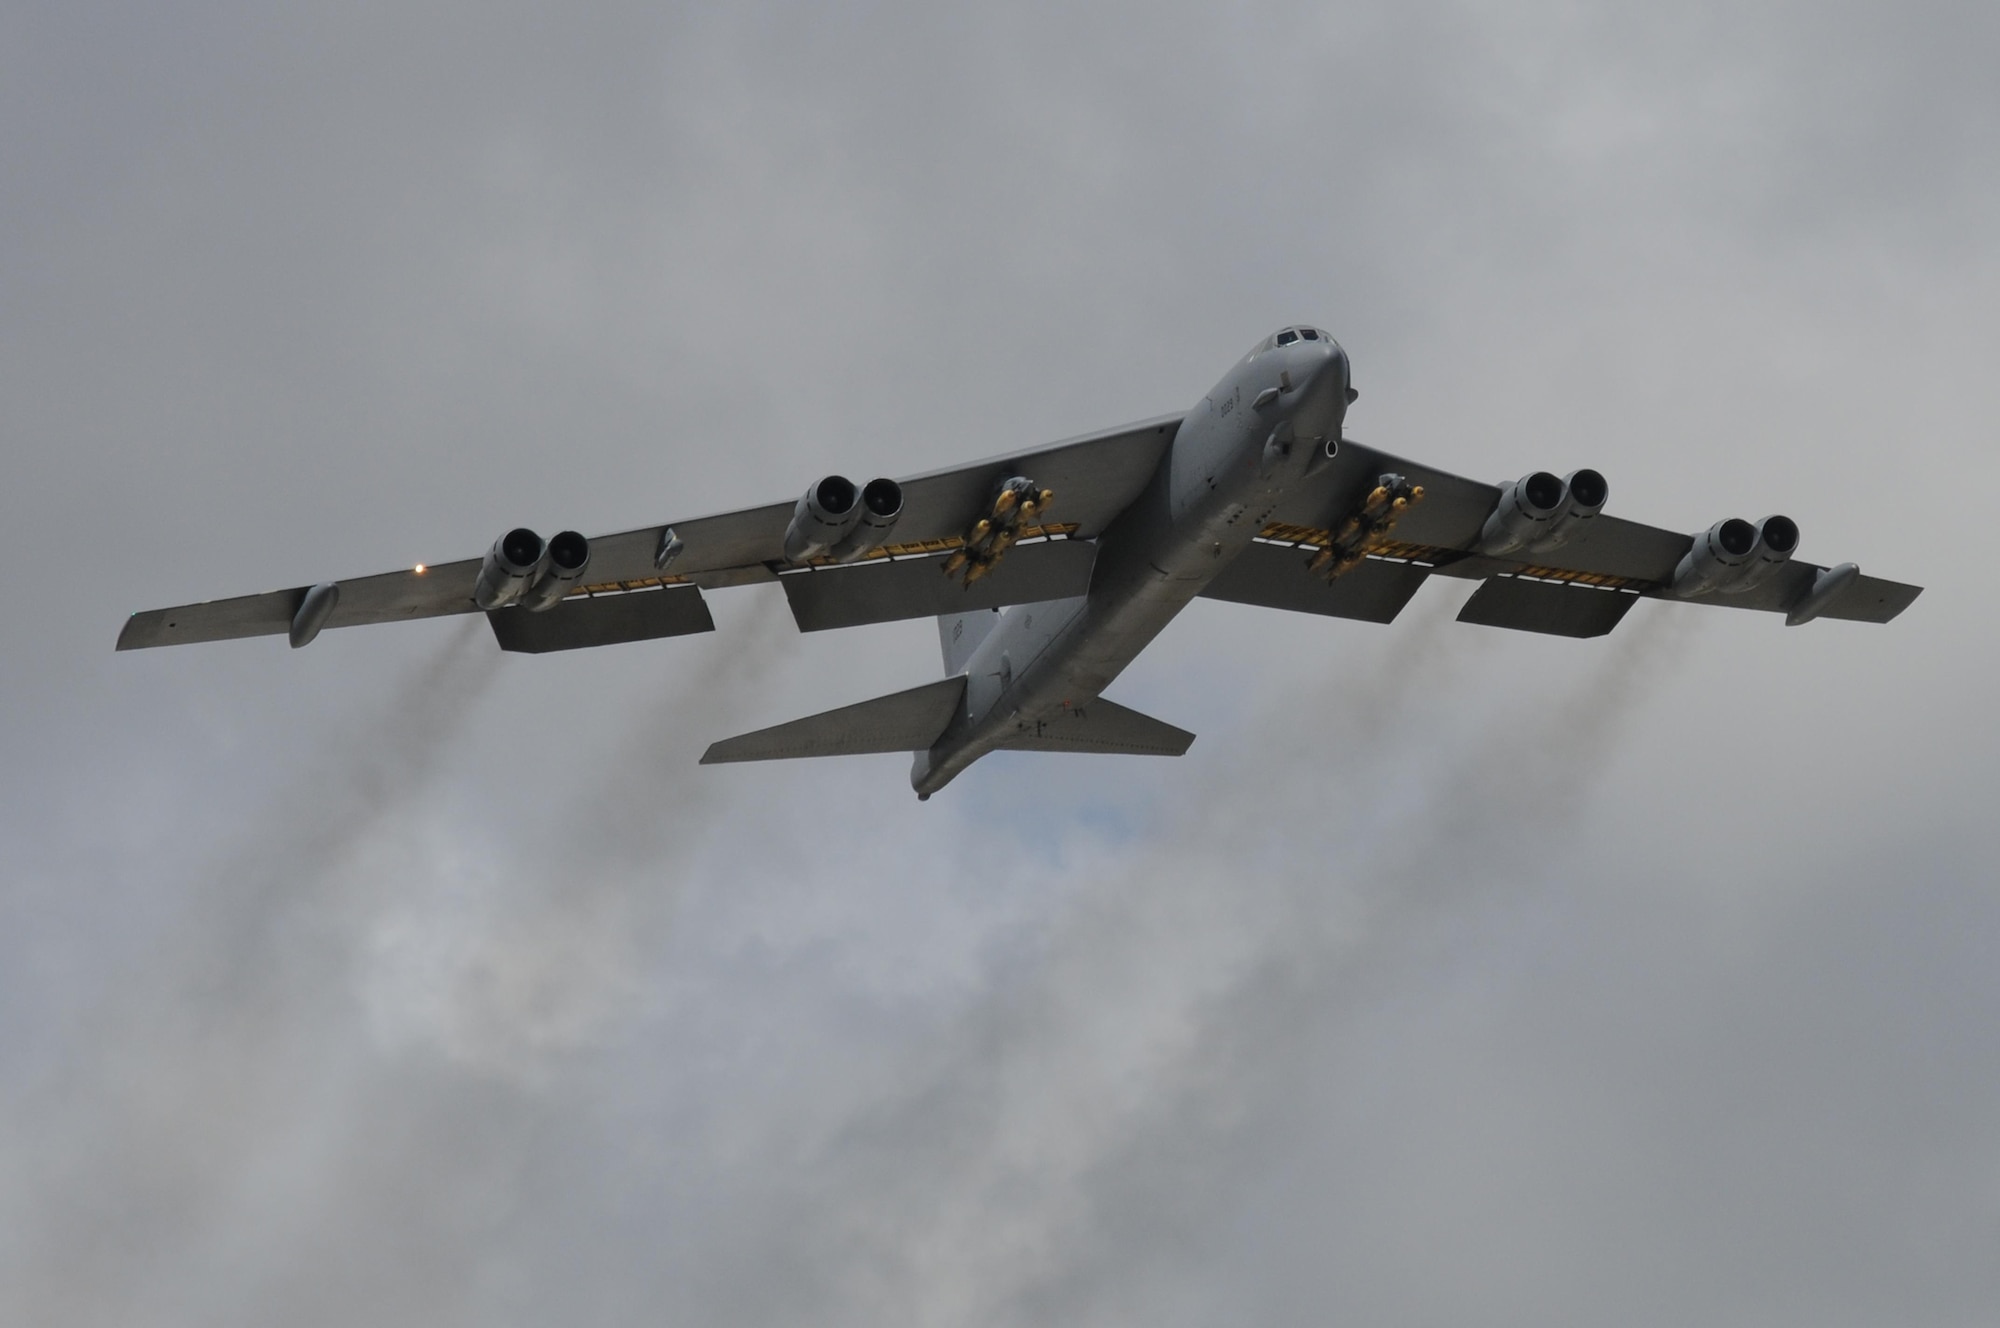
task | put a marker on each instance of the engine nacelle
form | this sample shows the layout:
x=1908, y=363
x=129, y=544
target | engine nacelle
x=563, y=564
x=1777, y=538
x=1721, y=557
x=509, y=566
x=1731, y=556
x=823, y=517
x=1584, y=495
x=881, y=506
x=1539, y=512
x=1524, y=514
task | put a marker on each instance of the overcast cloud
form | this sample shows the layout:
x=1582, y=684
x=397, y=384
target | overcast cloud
x=1451, y=977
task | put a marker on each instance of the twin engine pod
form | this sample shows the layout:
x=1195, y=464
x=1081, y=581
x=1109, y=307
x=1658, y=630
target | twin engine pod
x=1732, y=555
x=836, y=520
x=520, y=569
x=1539, y=512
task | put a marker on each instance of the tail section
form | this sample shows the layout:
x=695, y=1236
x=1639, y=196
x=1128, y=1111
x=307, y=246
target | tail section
x=1098, y=726
x=961, y=633
x=900, y=722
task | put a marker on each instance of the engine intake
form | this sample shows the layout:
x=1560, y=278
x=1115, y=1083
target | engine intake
x=1777, y=538
x=823, y=517
x=563, y=565
x=881, y=507
x=1732, y=555
x=509, y=566
x=1538, y=512
x=1523, y=514
x=1586, y=491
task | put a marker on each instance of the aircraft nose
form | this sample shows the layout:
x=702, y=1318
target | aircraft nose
x=1323, y=397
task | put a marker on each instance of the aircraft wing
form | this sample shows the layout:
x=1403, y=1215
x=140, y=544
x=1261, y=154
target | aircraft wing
x=1583, y=587
x=625, y=594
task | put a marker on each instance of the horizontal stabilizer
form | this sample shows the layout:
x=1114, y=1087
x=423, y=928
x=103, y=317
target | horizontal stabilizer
x=1099, y=726
x=900, y=722
x=1554, y=608
x=603, y=620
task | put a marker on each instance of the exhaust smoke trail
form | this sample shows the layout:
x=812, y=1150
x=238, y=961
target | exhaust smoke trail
x=198, y=1058
x=554, y=955
x=368, y=772
x=1183, y=996
x=1253, y=1007
x=251, y=1044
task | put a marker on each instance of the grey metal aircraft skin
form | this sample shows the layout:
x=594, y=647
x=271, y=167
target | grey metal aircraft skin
x=1050, y=570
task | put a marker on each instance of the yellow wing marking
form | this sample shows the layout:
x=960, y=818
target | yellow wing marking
x=1052, y=530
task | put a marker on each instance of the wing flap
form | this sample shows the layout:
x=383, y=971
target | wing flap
x=1274, y=576
x=603, y=620
x=887, y=590
x=1553, y=608
x=1100, y=726
x=908, y=721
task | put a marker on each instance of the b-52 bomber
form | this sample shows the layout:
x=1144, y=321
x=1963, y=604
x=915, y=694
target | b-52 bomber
x=1049, y=570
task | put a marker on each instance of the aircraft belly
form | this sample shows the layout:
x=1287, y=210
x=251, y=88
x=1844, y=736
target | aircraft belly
x=1205, y=506
x=1138, y=592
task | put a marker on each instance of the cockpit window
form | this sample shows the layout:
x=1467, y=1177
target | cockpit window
x=1287, y=337
x=1309, y=333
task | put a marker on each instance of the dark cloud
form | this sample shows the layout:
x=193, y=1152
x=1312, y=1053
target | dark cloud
x=1450, y=976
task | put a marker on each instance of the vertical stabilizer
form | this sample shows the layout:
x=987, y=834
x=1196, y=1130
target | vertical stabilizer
x=960, y=635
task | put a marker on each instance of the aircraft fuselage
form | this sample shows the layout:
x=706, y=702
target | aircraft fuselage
x=1235, y=455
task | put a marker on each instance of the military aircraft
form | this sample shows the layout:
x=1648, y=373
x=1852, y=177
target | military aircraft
x=1049, y=570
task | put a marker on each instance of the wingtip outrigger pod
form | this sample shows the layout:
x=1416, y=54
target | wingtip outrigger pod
x=1019, y=502
x=1827, y=586
x=1392, y=496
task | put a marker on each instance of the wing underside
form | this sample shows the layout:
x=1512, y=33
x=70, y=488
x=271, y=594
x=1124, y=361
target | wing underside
x=1581, y=589
x=1093, y=478
x=631, y=592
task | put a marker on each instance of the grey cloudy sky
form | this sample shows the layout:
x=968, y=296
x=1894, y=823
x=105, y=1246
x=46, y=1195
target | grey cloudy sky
x=1451, y=977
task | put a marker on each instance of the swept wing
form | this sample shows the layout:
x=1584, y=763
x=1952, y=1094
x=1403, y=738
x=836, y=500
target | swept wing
x=1581, y=588
x=624, y=596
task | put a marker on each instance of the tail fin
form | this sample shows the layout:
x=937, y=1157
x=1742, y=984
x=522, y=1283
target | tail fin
x=900, y=722
x=961, y=633
x=1099, y=726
